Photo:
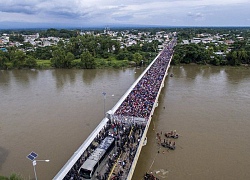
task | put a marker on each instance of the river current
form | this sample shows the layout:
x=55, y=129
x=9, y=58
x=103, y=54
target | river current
x=51, y=112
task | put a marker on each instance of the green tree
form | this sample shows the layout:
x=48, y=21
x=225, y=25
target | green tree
x=92, y=47
x=121, y=56
x=155, y=45
x=16, y=38
x=68, y=60
x=30, y=62
x=73, y=46
x=3, y=60
x=87, y=60
x=130, y=56
x=243, y=56
x=60, y=44
x=58, y=58
x=216, y=60
x=26, y=45
x=233, y=58
x=18, y=59
x=44, y=53
x=176, y=59
x=137, y=58
x=117, y=46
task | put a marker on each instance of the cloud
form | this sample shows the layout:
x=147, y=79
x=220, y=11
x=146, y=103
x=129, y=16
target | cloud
x=158, y=12
x=22, y=8
x=196, y=15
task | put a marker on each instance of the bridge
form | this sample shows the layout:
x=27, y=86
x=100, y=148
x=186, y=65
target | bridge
x=127, y=123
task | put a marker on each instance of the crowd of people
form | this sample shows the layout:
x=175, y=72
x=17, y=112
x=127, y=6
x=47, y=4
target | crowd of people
x=73, y=172
x=127, y=139
x=128, y=145
x=138, y=103
x=141, y=99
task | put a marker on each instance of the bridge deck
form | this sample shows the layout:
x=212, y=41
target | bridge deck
x=127, y=122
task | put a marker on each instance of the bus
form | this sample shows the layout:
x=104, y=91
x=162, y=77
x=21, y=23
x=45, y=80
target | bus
x=88, y=168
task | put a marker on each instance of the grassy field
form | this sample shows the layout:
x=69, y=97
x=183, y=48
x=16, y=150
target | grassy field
x=100, y=63
x=43, y=63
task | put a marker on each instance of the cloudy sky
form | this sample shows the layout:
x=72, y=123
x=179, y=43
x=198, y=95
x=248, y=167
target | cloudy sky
x=89, y=13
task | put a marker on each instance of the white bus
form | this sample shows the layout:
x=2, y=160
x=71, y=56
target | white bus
x=88, y=168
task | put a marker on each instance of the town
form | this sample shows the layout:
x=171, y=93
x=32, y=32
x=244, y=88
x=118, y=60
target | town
x=121, y=48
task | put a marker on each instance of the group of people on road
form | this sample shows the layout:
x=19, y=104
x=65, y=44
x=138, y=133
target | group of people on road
x=140, y=100
x=127, y=138
x=73, y=172
x=128, y=144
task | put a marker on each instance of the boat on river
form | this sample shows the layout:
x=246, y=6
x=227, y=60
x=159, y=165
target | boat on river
x=168, y=145
x=150, y=176
x=172, y=134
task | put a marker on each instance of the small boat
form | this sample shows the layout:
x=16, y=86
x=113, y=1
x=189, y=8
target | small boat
x=171, y=75
x=172, y=134
x=168, y=145
x=150, y=176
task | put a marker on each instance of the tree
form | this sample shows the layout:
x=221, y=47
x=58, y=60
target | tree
x=176, y=59
x=3, y=59
x=87, y=60
x=117, y=46
x=58, y=58
x=137, y=58
x=216, y=60
x=60, y=44
x=155, y=45
x=30, y=62
x=18, y=38
x=68, y=60
x=26, y=45
x=18, y=59
x=121, y=56
x=242, y=56
x=43, y=53
x=233, y=58
x=92, y=47
x=134, y=48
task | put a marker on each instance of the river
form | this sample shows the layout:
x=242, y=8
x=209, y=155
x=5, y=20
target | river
x=51, y=112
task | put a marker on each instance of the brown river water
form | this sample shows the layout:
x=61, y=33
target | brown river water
x=51, y=112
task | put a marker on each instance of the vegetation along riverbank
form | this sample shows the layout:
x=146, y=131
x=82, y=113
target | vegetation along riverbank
x=90, y=49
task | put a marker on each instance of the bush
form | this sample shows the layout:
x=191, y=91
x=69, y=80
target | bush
x=13, y=176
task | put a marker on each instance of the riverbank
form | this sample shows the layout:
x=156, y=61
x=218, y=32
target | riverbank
x=76, y=64
x=113, y=63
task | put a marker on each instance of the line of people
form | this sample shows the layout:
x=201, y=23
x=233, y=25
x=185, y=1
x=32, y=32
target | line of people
x=140, y=100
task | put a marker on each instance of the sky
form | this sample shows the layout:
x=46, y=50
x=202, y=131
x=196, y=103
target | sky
x=103, y=13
